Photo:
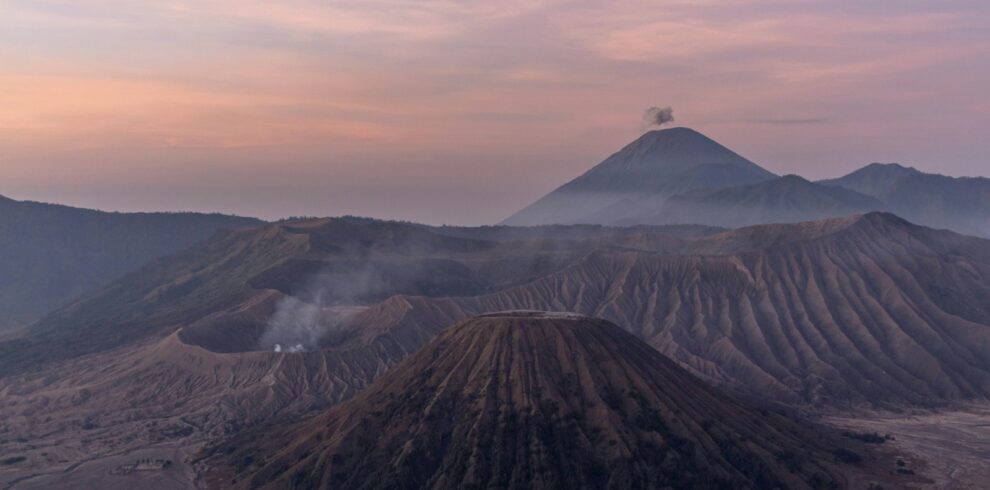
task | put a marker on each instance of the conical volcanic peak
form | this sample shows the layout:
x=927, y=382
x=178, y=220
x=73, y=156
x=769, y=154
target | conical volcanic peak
x=675, y=150
x=639, y=177
x=669, y=160
x=533, y=400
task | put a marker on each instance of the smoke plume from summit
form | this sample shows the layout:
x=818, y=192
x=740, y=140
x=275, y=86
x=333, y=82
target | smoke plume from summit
x=658, y=116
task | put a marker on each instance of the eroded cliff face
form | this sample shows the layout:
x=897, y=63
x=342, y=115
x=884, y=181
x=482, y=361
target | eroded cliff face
x=836, y=312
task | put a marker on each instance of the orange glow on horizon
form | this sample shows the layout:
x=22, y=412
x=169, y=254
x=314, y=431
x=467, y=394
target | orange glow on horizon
x=359, y=93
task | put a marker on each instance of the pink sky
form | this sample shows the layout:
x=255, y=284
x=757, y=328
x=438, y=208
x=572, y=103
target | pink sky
x=458, y=112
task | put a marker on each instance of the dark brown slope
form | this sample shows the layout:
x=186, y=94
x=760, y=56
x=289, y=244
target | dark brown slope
x=533, y=400
x=862, y=309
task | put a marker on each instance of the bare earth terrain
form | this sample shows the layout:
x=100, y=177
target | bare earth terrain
x=534, y=400
x=102, y=472
x=825, y=315
x=954, y=444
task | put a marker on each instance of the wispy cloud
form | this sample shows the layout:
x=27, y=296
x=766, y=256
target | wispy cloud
x=789, y=121
x=545, y=88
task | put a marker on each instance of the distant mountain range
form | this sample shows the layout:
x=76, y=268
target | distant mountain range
x=957, y=203
x=52, y=254
x=679, y=176
x=788, y=199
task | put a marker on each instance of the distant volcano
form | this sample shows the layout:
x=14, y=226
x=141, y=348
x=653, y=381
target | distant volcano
x=680, y=176
x=640, y=176
x=534, y=400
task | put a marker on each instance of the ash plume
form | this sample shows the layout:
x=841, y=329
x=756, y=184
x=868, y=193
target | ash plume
x=658, y=116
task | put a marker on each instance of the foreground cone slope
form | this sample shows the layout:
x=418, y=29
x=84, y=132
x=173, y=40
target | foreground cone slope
x=532, y=400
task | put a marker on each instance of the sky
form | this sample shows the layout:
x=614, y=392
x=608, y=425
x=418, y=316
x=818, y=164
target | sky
x=464, y=112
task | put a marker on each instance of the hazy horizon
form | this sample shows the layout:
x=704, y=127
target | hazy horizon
x=462, y=114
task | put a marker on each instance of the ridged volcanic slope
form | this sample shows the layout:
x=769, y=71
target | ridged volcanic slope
x=863, y=309
x=530, y=400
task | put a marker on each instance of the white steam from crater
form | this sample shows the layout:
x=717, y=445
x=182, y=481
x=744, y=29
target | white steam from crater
x=296, y=326
x=290, y=349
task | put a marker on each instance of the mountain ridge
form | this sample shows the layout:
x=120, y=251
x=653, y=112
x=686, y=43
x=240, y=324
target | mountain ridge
x=320, y=261
x=959, y=203
x=836, y=312
x=787, y=199
x=55, y=253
